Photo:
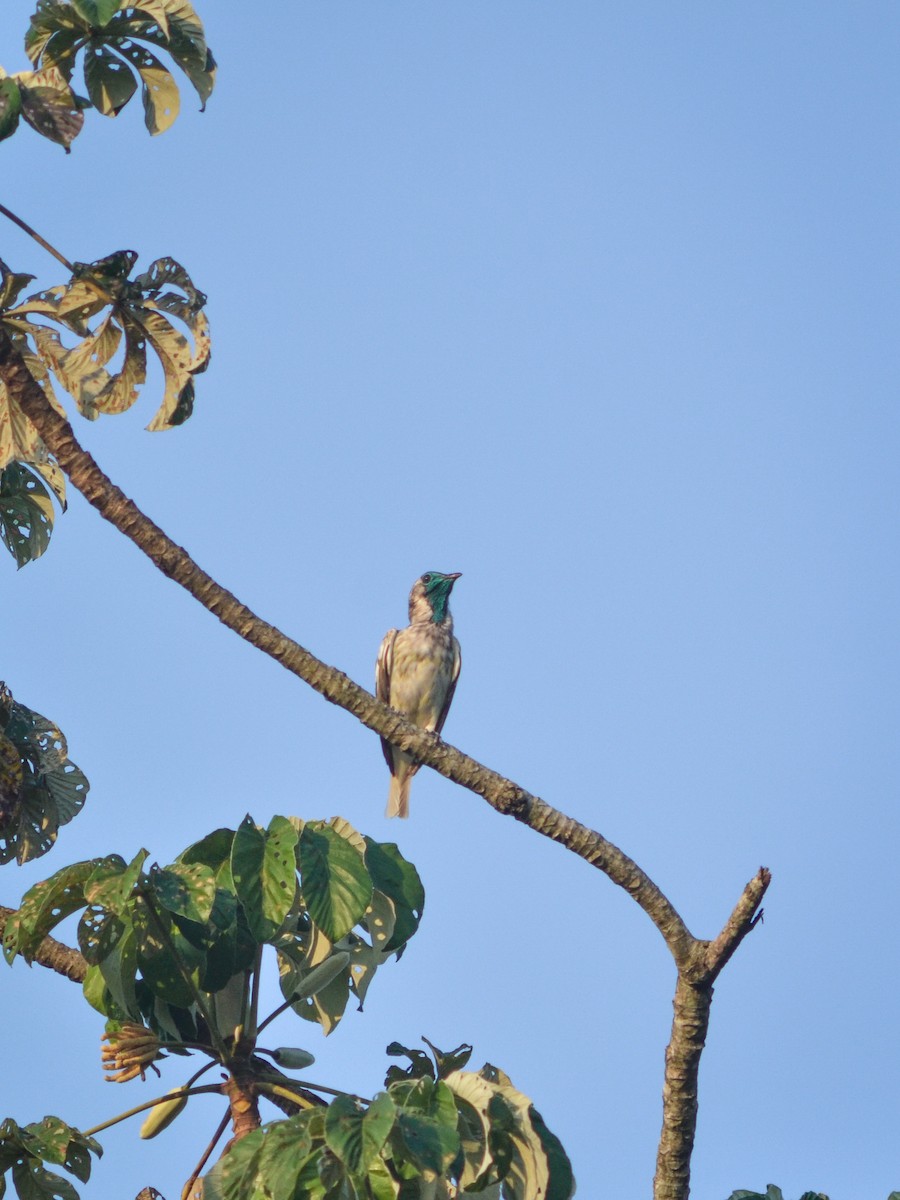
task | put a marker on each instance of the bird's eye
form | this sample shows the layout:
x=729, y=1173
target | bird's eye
x=427, y=578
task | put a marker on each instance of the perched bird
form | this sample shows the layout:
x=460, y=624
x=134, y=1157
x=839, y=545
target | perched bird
x=416, y=673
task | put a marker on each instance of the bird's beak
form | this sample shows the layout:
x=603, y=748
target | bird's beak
x=454, y=575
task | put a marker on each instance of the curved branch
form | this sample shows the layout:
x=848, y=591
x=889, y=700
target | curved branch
x=501, y=793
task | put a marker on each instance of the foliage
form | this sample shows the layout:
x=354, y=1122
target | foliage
x=40, y=788
x=171, y=946
x=113, y=37
x=439, y=1134
x=135, y=313
x=24, y=1150
x=774, y=1193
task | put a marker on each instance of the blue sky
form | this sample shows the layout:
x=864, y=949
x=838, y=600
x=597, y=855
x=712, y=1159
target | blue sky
x=596, y=304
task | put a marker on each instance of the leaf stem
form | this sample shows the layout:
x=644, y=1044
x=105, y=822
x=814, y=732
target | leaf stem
x=132, y=1112
x=250, y=1024
x=278, y=1090
x=37, y=237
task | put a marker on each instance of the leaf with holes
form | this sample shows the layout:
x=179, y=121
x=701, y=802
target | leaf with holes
x=26, y=1148
x=43, y=907
x=173, y=26
x=51, y=789
x=114, y=38
x=159, y=91
x=399, y=880
x=26, y=513
x=49, y=106
x=140, y=311
x=265, y=874
x=187, y=890
x=110, y=83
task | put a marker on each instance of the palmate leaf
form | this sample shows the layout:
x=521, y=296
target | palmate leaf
x=139, y=314
x=44, y=791
x=25, y=1149
x=114, y=38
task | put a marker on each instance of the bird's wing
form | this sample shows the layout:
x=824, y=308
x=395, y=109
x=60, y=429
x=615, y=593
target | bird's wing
x=454, y=675
x=383, y=668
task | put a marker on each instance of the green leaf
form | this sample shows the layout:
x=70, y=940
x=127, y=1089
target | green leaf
x=356, y=1134
x=212, y=851
x=265, y=874
x=448, y=1061
x=159, y=91
x=41, y=790
x=426, y=1132
x=119, y=971
x=34, y=1182
x=562, y=1180
x=99, y=931
x=10, y=108
x=97, y=12
x=265, y=1163
x=110, y=83
x=186, y=889
x=336, y=886
x=26, y=513
x=174, y=26
x=49, y=106
x=43, y=907
x=55, y=1141
x=420, y=1065
x=399, y=880
x=113, y=880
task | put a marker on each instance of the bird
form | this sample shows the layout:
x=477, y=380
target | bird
x=416, y=674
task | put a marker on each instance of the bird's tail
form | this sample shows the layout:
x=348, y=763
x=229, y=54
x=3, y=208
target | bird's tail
x=398, y=797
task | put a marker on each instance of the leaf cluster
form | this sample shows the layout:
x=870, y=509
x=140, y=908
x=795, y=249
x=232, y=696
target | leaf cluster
x=40, y=788
x=114, y=39
x=24, y=1150
x=129, y=315
x=172, y=946
x=773, y=1192
x=435, y=1133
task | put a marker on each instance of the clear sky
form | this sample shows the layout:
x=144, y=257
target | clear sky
x=598, y=305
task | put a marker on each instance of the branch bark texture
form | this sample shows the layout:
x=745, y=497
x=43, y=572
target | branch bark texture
x=698, y=961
